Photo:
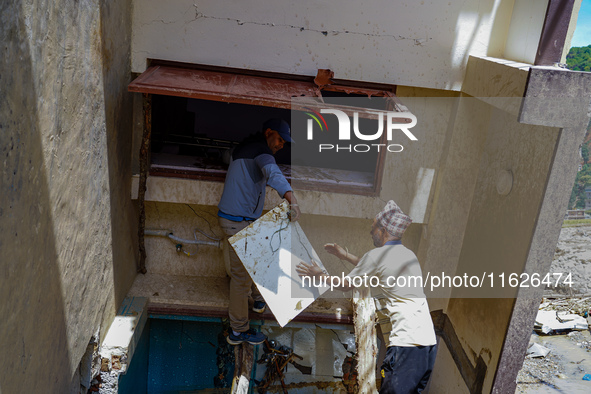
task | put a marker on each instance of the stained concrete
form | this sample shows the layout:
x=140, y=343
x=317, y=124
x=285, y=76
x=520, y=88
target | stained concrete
x=498, y=230
x=67, y=242
x=558, y=84
x=424, y=44
x=200, y=281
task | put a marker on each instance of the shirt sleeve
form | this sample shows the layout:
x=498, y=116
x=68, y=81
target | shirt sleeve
x=365, y=266
x=272, y=173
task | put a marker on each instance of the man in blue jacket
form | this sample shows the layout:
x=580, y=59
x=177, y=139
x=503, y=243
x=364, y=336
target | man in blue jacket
x=251, y=169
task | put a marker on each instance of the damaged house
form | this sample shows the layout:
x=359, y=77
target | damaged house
x=116, y=117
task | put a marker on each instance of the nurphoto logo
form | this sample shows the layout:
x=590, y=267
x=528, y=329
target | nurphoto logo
x=394, y=121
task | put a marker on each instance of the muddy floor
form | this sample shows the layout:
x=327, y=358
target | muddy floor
x=569, y=359
x=562, y=370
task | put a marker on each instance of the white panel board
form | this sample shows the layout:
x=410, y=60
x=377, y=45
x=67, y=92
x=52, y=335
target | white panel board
x=270, y=249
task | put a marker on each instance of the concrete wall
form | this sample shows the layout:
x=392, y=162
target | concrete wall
x=525, y=29
x=183, y=219
x=415, y=43
x=498, y=231
x=67, y=240
x=571, y=29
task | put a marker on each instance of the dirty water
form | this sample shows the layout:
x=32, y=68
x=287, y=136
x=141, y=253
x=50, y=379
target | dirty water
x=572, y=359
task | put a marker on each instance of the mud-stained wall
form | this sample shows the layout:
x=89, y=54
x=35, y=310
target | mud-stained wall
x=414, y=43
x=186, y=220
x=499, y=231
x=442, y=238
x=67, y=233
x=475, y=227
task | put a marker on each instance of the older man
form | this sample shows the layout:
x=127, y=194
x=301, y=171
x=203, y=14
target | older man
x=403, y=313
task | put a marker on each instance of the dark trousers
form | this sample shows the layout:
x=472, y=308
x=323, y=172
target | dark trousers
x=407, y=370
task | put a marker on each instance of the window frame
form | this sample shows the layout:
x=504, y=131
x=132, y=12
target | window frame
x=255, y=88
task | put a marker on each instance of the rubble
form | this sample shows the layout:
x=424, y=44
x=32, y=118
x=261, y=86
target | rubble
x=542, y=370
x=580, y=340
x=562, y=366
x=537, y=350
x=576, y=305
x=558, y=322
x=573, y=255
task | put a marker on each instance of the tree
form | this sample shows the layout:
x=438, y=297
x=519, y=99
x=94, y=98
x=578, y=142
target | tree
x=579, y=58
x=584, y=181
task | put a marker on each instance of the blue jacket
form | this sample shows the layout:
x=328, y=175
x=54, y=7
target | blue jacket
x=252, y=168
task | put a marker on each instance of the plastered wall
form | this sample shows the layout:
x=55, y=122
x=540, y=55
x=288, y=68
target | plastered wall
x=525, y=29
x=183, y=219
x=67, y=235
x=499, y=230
x=415, y=43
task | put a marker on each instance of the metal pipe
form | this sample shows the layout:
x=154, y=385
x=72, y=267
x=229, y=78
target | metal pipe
x=194, y=241
x=168, y=233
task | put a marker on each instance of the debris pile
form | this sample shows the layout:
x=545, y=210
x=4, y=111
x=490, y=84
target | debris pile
x=541, y=370
x=556, y=322
x=576, y=305
x=573, y=256
x=552, y=362
x=580, y=340
x=224, y=359
x=276, y=357
x=536, y=350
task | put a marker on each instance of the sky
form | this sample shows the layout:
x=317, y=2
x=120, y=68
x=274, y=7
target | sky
x=582, y=36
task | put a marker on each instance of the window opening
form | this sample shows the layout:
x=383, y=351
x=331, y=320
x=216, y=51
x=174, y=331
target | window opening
x=199, y=116
x=193, y=138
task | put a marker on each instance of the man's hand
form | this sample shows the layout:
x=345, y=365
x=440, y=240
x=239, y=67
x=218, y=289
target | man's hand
x=294, y=213
x=336, y=250
x=312, y=269
x=341, y=253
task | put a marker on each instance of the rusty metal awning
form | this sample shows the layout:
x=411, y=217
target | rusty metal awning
x=221, y=86
x=259, y=90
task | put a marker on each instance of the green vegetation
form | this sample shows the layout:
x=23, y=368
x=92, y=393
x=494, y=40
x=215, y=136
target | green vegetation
x=583, y=180
x=576, y=223
x=579, y=58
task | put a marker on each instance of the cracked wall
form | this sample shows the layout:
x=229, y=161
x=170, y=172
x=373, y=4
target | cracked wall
x=423, y=44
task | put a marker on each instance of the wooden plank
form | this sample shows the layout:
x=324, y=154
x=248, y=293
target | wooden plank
x=144, y=158
x=364, y=319
x=242, y=368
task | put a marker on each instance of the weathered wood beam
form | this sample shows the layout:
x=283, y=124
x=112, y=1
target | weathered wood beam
x=473, y=375
x=144, y=166
x=243, y=355
x=364, y=319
